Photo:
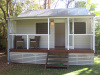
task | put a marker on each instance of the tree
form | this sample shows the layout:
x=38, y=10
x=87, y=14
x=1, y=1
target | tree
x=7, y=9
x=69, y=2
x=97, y=33
x=80, y=4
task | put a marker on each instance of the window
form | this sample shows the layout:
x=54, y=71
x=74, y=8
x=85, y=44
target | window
x=41, y=28
x=79, y=27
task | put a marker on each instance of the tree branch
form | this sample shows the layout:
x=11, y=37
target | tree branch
x=56, y=4
x=14, y=8
x=45, y=4
x=8, y=4
x=69, y=2
x=3, y=12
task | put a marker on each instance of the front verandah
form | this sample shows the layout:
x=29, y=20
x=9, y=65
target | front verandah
x=70, y=41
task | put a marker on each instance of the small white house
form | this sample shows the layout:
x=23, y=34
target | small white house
x=69, y=29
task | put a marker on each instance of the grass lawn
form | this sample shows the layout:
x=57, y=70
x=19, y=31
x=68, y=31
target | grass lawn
x=30, y=69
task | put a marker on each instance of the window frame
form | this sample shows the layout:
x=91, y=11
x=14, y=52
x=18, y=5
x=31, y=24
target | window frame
x=80, y=22
x=42, y=23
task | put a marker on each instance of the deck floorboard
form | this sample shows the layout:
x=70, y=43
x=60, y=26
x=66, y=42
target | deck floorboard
x=44, y=50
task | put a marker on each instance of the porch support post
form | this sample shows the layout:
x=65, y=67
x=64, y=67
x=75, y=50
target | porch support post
x=8, y=43
x=68, y=31
x=48, y=35
x=27, y=43
x=94, y=35
x=73, y=31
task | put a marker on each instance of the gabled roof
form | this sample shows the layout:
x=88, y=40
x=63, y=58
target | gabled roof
x=55, y=12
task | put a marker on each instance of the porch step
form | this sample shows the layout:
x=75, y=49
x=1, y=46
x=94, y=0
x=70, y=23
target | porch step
x=60, y=53
x=57, y=66
x=57, y=59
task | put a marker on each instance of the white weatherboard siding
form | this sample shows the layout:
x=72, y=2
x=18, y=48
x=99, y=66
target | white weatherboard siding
x=12, y=27
x=25, y=27
x=12, y=30
x=82, y=41
x=40, y=58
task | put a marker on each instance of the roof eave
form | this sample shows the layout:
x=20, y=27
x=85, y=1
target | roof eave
x=45, y=17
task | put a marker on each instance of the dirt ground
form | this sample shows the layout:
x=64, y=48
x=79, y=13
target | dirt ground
x=3, y=62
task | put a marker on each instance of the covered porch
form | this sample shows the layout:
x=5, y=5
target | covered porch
x=70, y=40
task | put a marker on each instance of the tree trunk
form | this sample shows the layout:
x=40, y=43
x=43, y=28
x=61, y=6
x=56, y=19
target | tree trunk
x=8, y=8
x=14, y=8
x=69, y=2
x=45, y=4
x=48, y=4
x=56, y=4
x=3, y=12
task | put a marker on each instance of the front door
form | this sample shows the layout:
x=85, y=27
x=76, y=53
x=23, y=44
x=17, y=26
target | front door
x=60, y=35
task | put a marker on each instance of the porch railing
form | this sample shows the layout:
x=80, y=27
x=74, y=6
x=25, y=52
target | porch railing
x=27, y=35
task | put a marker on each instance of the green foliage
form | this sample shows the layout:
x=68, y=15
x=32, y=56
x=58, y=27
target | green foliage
x=97, y=14
x=97, y=32
x=93, y=6
x=88, y=4
x=18, y=9
x=35, y=6
x=80, y=4
x=30, y=5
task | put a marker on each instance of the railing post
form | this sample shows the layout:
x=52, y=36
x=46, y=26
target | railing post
x=48, y=35
x=68, y=31
x=27, y=42
x=73, y=31
x=12, y=41
x=93, y=35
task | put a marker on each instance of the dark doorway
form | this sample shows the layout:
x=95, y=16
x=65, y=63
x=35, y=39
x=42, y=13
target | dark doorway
x=60, y=35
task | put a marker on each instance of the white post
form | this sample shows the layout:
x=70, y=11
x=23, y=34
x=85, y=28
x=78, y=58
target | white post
x=94, y=35
x=8, y=46
x=27, y=43
x=68, y=31
x=91, y=40
x=73, y=31
x=12, y=41
x=48, y=35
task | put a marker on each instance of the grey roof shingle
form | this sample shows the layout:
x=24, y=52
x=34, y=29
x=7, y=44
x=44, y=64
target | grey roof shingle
x=55, y=12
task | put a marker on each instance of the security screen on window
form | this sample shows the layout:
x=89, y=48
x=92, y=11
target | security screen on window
x=79, y=27
x=41, y=28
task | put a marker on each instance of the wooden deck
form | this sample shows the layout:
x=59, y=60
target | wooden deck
x=53, y=50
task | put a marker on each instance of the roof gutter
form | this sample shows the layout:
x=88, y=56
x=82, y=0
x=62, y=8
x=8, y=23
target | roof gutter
x=51, y=17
